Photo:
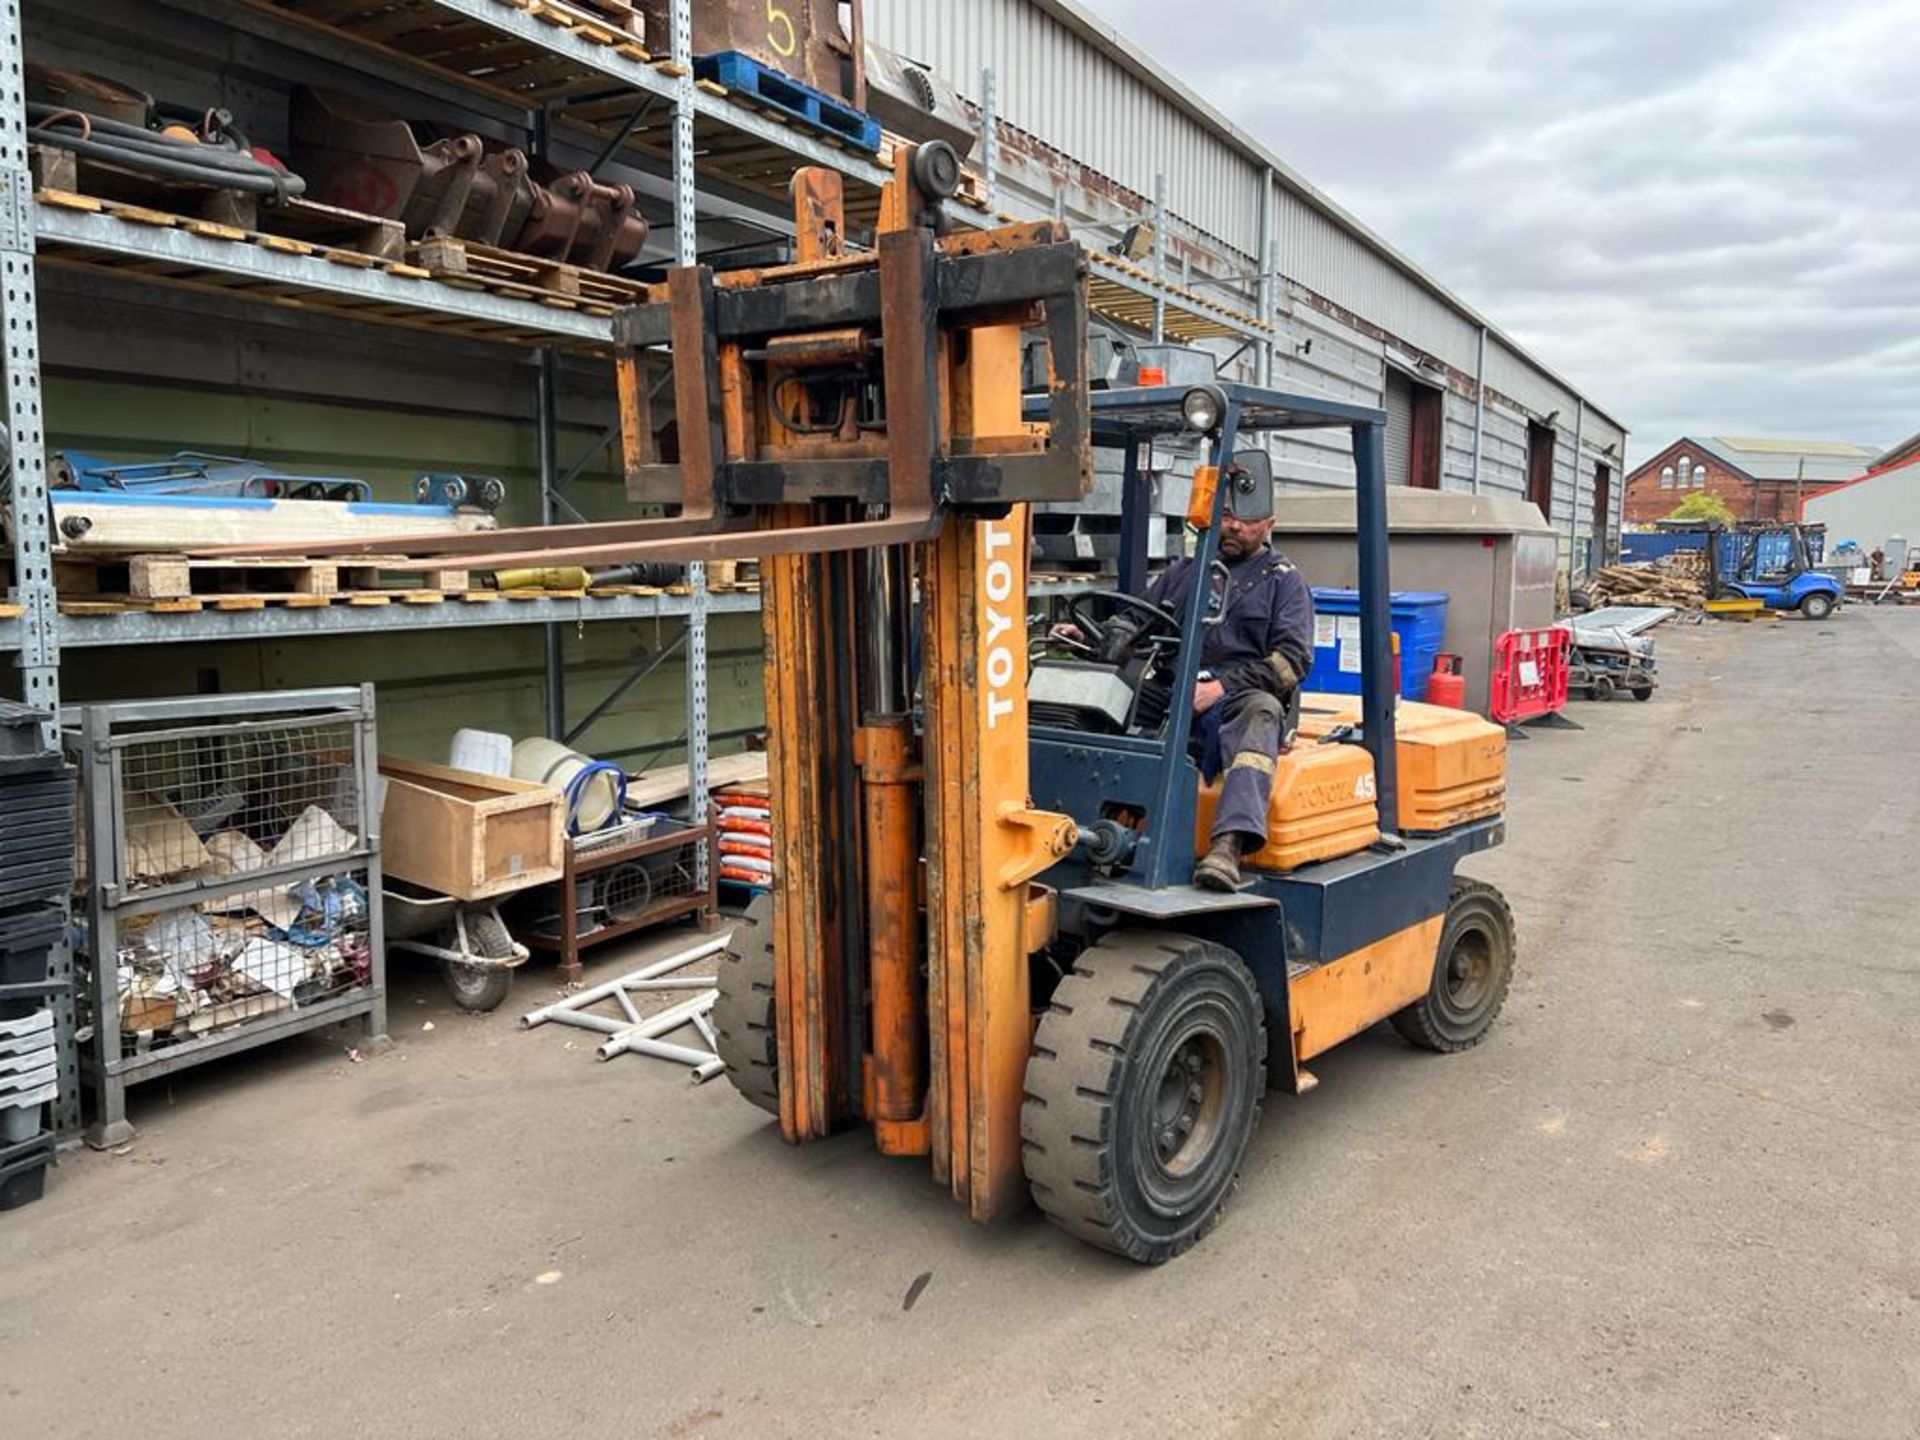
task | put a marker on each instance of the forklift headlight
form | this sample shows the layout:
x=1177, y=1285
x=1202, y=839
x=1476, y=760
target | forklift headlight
x=1202, y=408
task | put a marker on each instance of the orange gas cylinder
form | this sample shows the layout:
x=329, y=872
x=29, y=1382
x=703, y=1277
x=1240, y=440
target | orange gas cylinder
x=1448, y=683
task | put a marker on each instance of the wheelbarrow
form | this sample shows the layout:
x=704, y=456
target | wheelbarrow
x=477, y=955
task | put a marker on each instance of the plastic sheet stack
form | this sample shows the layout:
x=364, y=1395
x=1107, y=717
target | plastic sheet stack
x=36, y=875
x=743, y=821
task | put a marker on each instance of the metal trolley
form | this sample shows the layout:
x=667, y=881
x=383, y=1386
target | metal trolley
x=231, y=879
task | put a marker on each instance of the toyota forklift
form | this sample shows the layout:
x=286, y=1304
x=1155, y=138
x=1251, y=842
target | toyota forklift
x=982, y=942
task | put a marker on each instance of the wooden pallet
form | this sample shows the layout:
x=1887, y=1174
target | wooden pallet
x=224, y=214
x=189, y=275
x=154, y=578
x=508, y=272
x=617, y=13
x=102, y=604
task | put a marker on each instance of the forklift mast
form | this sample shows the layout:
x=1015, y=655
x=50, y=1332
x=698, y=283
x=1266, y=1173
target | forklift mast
x=854, y=421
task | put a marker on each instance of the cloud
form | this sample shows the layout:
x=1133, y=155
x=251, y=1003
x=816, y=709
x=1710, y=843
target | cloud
x=1706, y=213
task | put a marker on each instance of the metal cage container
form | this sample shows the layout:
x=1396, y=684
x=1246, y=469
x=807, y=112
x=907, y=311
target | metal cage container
x=231, y=879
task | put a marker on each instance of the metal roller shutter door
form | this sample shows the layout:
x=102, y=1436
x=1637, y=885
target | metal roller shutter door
x=1399, y=409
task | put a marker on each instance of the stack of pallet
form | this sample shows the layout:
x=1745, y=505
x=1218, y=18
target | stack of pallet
x=36, y=875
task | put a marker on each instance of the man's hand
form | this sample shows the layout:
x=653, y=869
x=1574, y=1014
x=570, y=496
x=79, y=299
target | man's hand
x=1066, y=633
x=1206, y=695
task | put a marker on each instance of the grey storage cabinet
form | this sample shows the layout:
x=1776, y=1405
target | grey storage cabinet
x=231, y=879
x=1495, y=558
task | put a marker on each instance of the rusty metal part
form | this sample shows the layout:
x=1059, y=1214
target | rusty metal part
x=498, y=203
x=86, y=92
x=801, y=38
x=611, y=231
x=851, y=346
x=354, y=155
x=911, y=100
x=897, y=1008
x=359, y=157
x=576, y=218
x=553, y=222
x=447, y=172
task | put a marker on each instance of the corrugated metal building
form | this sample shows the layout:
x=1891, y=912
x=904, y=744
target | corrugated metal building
x=1882, y=505
x=1089, y=127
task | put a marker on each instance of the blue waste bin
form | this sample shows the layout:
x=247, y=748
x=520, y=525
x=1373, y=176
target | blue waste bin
x=1419, y=619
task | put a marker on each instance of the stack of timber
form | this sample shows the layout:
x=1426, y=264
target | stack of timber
x=1676, y=580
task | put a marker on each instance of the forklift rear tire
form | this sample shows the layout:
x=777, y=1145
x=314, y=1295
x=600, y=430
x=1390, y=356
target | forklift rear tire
x=1817, y=607
x=1143, y=1089
x=743, y=1018
x=1471, y=972
x=1643, y=692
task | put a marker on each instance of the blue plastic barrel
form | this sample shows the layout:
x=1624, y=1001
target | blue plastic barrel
x=1419, y=619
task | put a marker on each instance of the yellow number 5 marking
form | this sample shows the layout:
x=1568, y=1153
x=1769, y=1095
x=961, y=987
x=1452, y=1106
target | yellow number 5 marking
x=780, y=31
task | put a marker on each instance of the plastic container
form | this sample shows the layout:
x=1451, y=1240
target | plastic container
x=486, y=751
x=23, y=1171
x=595, y=789
x=1419, y=625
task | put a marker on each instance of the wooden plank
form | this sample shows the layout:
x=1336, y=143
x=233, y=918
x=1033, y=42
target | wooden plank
x=651, y=788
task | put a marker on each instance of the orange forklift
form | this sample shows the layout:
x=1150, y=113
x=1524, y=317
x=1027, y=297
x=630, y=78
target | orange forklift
x=982, y=942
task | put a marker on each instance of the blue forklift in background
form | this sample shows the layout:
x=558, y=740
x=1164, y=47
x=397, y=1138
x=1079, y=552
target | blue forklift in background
x=1773, y=564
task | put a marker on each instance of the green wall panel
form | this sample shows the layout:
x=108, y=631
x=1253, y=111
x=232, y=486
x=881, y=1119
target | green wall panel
x=429, y=682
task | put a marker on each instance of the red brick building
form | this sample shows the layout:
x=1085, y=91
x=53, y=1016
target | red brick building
x=1758, y=479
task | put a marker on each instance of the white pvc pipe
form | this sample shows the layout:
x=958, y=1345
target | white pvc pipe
x=696, y=1060
x=627, y=981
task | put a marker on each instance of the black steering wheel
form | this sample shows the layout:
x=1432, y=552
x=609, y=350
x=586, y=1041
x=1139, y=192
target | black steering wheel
x=1095, y=632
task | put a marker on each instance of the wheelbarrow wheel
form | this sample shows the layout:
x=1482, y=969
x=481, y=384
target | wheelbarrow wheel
x=478, y=988
x=481, y=988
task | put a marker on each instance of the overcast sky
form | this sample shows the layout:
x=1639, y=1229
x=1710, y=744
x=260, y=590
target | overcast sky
x=1705, y=213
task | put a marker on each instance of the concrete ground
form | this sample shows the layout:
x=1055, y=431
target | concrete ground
x=1674, y=1193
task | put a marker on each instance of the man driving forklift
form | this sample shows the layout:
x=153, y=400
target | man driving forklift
x=1257, y=650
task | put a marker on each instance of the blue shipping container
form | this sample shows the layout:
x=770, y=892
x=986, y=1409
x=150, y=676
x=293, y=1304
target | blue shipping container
x=1419, y=619
x=1637, y=547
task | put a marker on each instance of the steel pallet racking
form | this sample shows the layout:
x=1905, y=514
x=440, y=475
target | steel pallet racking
x=535, y=65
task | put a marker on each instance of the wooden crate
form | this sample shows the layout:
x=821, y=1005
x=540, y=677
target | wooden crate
x=469, y=835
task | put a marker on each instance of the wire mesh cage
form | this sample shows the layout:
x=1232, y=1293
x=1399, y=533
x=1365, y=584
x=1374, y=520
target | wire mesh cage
x=231, y=870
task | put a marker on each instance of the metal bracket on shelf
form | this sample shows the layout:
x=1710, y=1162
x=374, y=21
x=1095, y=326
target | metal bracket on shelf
x=16, y=210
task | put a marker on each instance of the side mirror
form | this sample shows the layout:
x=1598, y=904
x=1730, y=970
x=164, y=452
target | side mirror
x=1250, y=496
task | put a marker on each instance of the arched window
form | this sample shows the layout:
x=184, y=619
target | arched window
x=1686, y=471
x=1666, y=477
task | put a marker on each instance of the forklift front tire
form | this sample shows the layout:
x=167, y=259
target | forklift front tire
x=1142, y=1092
x=743, y=1018
x=1471, y=972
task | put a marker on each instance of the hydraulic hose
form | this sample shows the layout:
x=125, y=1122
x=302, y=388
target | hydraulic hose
x=129, y=146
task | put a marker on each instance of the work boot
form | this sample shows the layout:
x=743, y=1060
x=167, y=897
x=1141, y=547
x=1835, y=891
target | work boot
x=1219, y=868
